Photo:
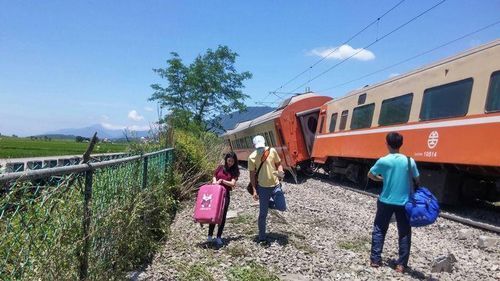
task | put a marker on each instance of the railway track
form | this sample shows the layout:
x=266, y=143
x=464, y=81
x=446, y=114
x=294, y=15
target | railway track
x=443, y=214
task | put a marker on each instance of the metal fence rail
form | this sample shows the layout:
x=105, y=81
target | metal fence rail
x=77, y=222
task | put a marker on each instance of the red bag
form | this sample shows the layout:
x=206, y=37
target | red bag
x=209, y=206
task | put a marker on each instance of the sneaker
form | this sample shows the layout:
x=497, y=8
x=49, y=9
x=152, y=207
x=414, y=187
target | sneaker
x=264, y=243
x=210, y=239
x=375, y=264
x=400, y=268
x=218, y=241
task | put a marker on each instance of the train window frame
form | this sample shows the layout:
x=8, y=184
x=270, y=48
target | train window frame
x=369, y=120
x=443, y=86
x=489, y=97
x=394, y=99
x=330, y=129
x=321, y=123
x=343, y=120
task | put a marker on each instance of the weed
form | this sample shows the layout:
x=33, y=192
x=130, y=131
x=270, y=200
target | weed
x=237, y=251
x=196, y=273
x=251, y=272
x=355, y=245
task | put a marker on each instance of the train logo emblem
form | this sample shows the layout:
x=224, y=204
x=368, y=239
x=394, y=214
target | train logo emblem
x=206, y=200
x=433, y=139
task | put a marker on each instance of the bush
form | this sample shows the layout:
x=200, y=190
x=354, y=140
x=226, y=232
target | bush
x=197, y=154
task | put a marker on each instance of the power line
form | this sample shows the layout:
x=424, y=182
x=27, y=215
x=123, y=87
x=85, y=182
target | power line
x=334, y=50
x=369, y=45
x=377, y=20
x=413, y=57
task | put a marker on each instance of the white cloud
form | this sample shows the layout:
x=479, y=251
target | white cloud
x=150, y=109
x=343, y=52
x=393, y=75
x=134, y=115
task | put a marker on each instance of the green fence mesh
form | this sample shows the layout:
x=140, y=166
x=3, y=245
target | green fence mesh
x=41, y=221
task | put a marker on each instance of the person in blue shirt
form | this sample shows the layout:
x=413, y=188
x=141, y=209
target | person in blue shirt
x=392, y=170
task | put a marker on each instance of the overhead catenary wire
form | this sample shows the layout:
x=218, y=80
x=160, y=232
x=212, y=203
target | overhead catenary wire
x=375, y=21
x=335, y=49
x=369, y=45
x=413, y=57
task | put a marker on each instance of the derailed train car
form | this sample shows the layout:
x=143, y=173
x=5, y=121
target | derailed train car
x=290, y=129
x=448, y=114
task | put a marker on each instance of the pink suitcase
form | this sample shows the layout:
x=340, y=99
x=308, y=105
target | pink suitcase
x=209, y=206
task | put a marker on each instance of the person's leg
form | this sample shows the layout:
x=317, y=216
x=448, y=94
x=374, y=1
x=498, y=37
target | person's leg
x=380, y=225
x=279, y=198
x=211, y=228
x=404, y=234
x=264, y=195
x=221, y=225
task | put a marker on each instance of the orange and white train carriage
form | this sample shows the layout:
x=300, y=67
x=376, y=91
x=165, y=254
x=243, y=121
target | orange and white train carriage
x=448, y=113
x=290, y=129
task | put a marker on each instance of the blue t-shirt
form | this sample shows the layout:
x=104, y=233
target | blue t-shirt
x=394, y=169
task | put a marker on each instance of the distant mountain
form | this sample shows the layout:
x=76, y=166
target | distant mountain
x=56, y=136
x=229, y=121
x=101, y=132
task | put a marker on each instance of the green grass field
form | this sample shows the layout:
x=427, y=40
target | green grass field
x=25, y=147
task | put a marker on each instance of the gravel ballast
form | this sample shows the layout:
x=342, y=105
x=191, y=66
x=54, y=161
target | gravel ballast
x=324, y=235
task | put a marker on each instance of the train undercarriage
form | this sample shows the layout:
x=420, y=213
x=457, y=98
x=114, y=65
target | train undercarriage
x=451, y=184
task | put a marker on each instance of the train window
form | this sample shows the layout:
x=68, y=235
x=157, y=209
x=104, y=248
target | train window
x=395, y=110
x=493, y=101
x=273, y=140
x=333, y=122
x=343, y=119
x=266, y=136
x=450, y=100
x=362, y=116
x=361, y=99
x=247, y=144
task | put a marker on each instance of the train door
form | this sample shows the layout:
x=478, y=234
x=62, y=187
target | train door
x=308, y=123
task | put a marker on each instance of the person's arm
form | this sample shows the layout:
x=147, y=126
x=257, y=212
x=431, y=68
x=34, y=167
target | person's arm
x=214, y=179
x=374, y=177
x=231, y=183
x=277, y=164
x=377, y=170
x=416, y=174
x=280, y=173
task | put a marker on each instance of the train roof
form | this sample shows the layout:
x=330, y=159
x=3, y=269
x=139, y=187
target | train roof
x=426, y=67
x=270, y=115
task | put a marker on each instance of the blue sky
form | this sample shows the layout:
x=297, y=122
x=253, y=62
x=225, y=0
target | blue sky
x=70, y=64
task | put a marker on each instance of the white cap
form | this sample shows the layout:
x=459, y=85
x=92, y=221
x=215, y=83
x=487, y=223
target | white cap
x=259, y=141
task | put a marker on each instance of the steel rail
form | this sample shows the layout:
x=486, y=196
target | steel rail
x=446, y=215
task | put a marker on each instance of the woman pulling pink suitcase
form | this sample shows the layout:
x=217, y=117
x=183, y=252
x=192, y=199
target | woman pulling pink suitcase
x=213, y=199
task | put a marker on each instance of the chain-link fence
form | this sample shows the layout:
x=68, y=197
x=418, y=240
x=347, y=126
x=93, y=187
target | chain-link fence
x=90, y=221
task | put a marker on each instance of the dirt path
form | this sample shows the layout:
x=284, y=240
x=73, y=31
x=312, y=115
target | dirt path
x=324, y=235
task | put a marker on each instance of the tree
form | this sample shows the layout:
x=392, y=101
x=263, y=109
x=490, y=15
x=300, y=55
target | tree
x=197, y=93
